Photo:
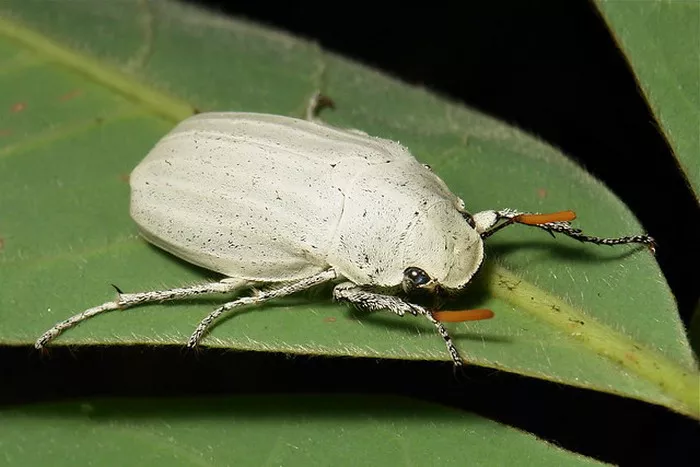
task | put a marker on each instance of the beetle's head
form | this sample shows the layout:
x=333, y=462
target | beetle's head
x=441, y=252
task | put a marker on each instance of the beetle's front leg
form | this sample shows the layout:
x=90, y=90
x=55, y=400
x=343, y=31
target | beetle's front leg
x=487, y=224
x=371, y=301
x=316, y=103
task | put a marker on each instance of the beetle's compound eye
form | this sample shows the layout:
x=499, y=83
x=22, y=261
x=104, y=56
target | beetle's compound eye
x=415, y=278
x=470, y=219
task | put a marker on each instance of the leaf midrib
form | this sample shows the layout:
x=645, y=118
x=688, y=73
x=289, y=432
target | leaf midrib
x=674, y=380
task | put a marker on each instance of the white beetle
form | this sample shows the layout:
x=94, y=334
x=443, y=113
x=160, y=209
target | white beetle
x=266, y=199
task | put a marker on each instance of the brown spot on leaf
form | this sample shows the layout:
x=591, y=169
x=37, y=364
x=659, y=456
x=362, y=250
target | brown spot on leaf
x=5, y=132
x=70, y=95
x=124, y=178
x=2, y=243
x=18, y=107
x=541, y=193
x=329, y=319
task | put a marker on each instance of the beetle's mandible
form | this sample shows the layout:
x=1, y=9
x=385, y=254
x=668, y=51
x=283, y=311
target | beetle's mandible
x=291, y=204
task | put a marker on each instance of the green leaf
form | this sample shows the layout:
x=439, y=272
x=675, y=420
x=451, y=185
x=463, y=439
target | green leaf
x=694, y=329
x=660, y=41
x=265, y=430
x=96, y=88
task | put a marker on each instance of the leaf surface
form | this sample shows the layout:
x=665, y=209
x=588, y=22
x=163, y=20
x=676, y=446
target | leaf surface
x=660, y=41
x=265, y=431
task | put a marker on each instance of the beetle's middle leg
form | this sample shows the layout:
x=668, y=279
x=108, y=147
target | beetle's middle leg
x=283, y=290
x=317, y=103
x=371, y=301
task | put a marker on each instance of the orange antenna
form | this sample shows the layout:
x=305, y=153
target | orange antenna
x=538, y=219
x=463, y=315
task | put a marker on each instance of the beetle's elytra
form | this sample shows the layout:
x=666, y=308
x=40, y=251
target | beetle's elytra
x=290, y=203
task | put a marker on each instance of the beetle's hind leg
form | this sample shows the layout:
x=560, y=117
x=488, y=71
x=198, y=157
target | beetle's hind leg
x=261, y=296
x=128, y=300
x=371, y=301
x=319, y=102
x=490, y=222
x=316, y=104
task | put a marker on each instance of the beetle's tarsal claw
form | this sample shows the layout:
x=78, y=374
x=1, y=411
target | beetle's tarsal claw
x=316, y=104
x=652, y=246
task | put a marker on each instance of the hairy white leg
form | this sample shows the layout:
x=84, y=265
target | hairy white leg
x=128, y=300
x=260, y=297
x=371, y=301
x=487, y=224
x=317, y=102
